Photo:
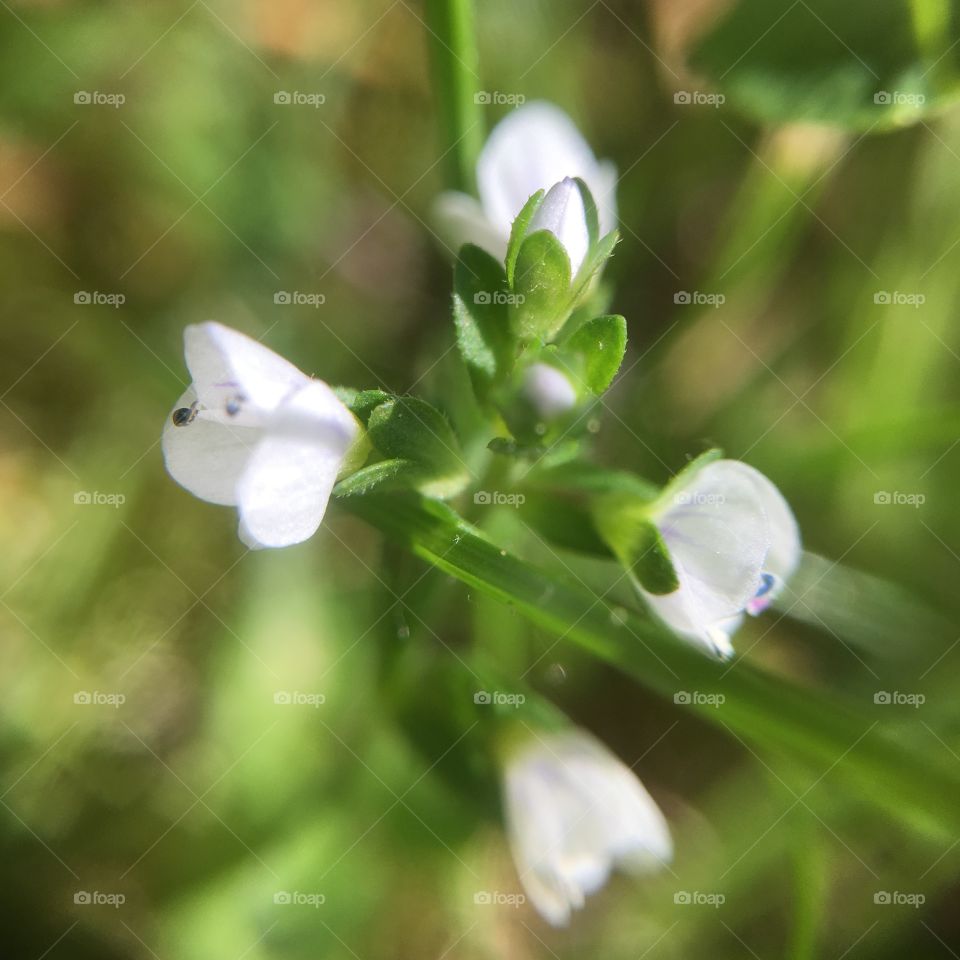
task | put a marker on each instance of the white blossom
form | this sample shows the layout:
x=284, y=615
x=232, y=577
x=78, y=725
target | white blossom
x=533, y=148
x=733, y=541
x=253, y=431
x=574, y=812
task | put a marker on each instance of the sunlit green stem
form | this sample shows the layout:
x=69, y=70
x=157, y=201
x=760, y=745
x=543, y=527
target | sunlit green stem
x=456, y=83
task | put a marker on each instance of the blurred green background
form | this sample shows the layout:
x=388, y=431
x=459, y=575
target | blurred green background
x=831, y=365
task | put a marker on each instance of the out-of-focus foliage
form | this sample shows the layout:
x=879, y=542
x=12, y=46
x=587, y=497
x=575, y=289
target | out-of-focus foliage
x=289, y=726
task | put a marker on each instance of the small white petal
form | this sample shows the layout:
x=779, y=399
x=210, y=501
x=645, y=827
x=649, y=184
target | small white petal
x=548, y=391
x=574, y=812
x=532, y=148
x=205, y=456
x=563, y=214
x=284, y=490
x=226, y=364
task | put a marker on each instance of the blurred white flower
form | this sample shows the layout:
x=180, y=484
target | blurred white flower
x=532, y=148
x=733, y=541
x=574, y=812
x=254, y=432
x=548, y=391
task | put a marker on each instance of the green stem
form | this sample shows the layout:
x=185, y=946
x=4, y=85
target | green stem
x=758, y=708
x=456, y=82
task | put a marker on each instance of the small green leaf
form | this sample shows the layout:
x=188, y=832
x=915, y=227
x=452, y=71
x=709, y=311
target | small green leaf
x=597, y=256
x=481, y=315
x=622, y=520
x=542, y=285
x=601, y=343
x=410, y=429
x=363, y=402
x=518, y=231
x=382, y=476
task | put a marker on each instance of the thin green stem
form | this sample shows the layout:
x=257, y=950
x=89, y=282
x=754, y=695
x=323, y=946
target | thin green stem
x=456, y=82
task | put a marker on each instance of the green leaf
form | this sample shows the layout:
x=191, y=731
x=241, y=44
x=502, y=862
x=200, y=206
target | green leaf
x=597, y=256
x=364, y=402
x=859, y=64
x=914, y=783
x=410, y=429
x=601, y=343
x=382, y=476
x=481, y=316
x=541, y=283
x=518, y=231
x=623, y=522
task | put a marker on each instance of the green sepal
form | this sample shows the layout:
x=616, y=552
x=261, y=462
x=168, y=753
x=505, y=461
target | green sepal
x=600, y=344
x=363, y=402
x=680, y=480
x=541, y=284
x=598, y=254
x=382, y=476
x=410, y=429
x=624, y=524
x=518, y=231
x=481, y=316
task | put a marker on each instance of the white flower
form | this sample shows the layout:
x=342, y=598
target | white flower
x=254, y=432
x=562, y=213
x=532, y=148
x=574, y=812
x=548, y=391
x=733, y=541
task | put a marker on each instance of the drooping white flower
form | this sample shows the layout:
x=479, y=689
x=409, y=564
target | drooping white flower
x=574, y=812
x=532, y=148
x=548, y=391
x=733, y=541
x=253, y=431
